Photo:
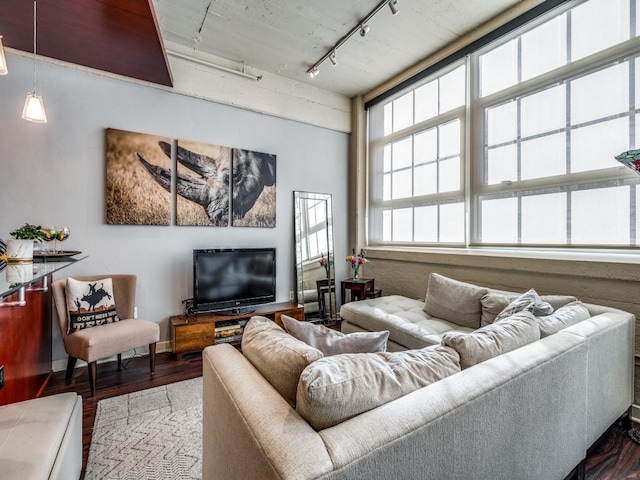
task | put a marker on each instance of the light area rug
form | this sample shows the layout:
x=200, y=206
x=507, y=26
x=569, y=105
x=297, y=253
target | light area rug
x=150, y=434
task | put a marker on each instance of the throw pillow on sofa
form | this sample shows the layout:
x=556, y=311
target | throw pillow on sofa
x=454, y=301
x=564, y=317
x=90, y=303
x=493, y=340
x=279, y=357
x=528, y=301
x=332, y=342
x=493, y=303
x=337, y=388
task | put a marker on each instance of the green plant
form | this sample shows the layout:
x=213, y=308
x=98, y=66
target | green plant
x=28, y=232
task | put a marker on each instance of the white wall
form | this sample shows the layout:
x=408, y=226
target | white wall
x=54, y=174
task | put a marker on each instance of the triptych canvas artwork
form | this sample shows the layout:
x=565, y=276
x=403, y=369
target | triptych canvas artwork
x=213, y=185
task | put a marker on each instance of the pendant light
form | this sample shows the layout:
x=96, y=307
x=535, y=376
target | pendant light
x=3, y=59
x=34, y=106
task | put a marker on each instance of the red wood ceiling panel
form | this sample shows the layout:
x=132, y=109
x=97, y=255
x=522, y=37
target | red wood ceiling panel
x=118, y=36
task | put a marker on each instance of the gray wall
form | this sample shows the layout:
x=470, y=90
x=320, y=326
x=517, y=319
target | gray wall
x=54, y=174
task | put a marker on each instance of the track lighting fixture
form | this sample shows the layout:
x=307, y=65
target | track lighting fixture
x=393, y=5
x=361, y=27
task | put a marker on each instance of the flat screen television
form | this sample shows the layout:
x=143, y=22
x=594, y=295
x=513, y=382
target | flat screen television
x=232, y=280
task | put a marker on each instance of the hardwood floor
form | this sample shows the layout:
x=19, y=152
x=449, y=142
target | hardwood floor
x=614, y=457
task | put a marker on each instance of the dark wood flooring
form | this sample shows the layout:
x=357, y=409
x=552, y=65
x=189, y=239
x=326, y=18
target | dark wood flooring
x=614, y=457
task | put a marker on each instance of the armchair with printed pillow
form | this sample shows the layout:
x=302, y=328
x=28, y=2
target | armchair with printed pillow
x=471, y=383
x=96, y=319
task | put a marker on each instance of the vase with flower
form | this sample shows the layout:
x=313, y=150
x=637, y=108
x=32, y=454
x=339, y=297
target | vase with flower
x=324, y=263
x=356, y=259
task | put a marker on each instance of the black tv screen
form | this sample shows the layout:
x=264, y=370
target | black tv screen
x=229, y=279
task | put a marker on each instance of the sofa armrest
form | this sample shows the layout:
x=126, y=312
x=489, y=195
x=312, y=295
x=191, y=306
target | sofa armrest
x=249, y=431
x=610, y=338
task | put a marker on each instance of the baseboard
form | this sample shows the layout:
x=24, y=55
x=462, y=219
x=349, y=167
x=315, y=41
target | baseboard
x=161, y=347
x=635, y=413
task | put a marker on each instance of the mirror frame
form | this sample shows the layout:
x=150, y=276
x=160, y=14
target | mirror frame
x=329, y=287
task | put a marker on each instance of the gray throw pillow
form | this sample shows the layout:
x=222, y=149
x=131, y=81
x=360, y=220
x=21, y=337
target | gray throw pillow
x=529, y=301
x=493, y=303
x=564, y=317
x=332, y=342
x=454, y=301
x=493, y=340
x=278, y=356
x=337, y=388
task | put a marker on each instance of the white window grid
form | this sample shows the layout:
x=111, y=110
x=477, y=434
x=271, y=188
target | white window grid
x=476, y=188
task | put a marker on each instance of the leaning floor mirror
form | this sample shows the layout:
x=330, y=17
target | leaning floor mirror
x=315, y=278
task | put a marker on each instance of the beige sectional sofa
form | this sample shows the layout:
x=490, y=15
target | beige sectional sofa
x=530, y=413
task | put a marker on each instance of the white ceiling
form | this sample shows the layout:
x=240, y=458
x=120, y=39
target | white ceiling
x=287, y=37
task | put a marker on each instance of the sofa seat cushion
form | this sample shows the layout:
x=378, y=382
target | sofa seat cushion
x=492, y=340
x=405, y=318
x=279, y=357
x=339, y=387
x=332, y=342
x=42, y=438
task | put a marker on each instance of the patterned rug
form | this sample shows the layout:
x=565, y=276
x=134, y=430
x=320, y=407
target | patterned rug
x=150, y=434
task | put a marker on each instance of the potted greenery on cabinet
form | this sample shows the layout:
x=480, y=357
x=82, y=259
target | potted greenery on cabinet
x=20, y=247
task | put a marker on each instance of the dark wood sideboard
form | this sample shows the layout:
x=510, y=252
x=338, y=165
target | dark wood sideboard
x=25, y=328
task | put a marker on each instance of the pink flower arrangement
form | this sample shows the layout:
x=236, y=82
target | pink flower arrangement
x=357, y=259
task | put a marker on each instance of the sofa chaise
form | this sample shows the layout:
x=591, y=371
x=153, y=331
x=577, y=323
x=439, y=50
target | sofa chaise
x=529, y=413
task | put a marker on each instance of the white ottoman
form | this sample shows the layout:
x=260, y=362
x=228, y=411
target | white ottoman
x=42, y=438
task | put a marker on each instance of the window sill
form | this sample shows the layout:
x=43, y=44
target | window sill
x=586, y=255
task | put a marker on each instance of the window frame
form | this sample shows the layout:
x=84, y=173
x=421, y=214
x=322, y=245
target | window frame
x=473, y=166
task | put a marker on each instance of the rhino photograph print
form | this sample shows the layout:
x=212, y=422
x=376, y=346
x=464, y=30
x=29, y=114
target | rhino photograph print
x=133, y=197
x=215, y=185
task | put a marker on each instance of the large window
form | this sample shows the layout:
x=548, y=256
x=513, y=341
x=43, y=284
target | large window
x=535, y=119
x=418, y=193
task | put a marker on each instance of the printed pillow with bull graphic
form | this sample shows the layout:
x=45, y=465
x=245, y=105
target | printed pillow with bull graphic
x=90, y=303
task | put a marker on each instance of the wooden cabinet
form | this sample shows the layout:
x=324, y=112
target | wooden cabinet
x=25, y=343
x=194, y=334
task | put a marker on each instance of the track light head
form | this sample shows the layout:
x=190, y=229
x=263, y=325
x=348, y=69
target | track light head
x=313, y=73
x=333, y=58
x=393, y=5
x=364, y=29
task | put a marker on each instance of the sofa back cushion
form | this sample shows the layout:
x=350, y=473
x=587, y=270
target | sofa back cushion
x=337, y=388
x=564, y=317
x=495, y=302
x=493, y=340
x=332, y=342
x=279, y=357
x=454, y=301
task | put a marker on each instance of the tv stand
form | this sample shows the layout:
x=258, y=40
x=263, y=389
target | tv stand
x=194, y=334
x=231, y=312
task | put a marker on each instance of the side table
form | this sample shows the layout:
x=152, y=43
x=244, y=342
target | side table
x=358, y=288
